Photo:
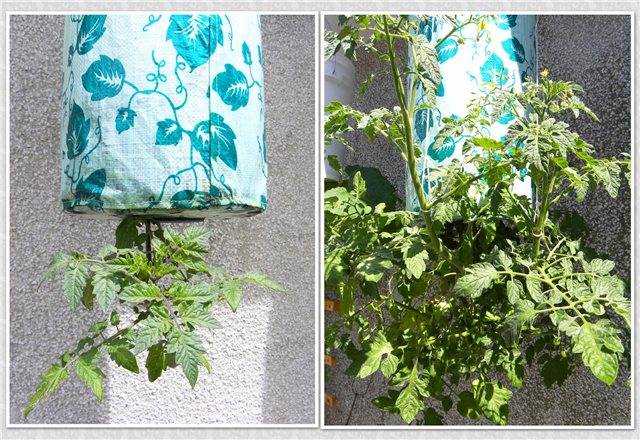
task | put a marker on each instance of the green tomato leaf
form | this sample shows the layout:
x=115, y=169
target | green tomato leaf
x=261, y=280
x=119, y=352
x=155, y=362
x=187, y=348
x=389, y=365
x=75, y=280
x=233, y=294
x=479, y=277
x=88, y=372
x=411, y=399
x=50, y=381
x=105, y=289
x=590, y=342
x=140, y=292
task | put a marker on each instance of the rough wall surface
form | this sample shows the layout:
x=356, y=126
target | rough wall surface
x=594, y=51
x=263, y=358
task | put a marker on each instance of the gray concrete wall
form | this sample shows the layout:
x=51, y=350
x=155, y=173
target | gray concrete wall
x=594, y=51
x=263, y=358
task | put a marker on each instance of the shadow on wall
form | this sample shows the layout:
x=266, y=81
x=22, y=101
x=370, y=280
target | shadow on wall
x=289, y=386
x=263, y=358
x=41, y=325
x=579, y=48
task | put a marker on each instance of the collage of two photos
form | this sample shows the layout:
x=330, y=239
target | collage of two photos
x=320, y=221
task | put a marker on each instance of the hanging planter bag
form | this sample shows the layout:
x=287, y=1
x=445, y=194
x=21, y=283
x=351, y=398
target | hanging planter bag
x=502, y=54
x=163, y=116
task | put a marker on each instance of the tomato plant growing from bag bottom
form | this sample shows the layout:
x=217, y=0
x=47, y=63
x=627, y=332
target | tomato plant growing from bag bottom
x=454, y=303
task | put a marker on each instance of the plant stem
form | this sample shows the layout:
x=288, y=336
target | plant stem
x=538, y=230
x=440, y=249
x=140, y=317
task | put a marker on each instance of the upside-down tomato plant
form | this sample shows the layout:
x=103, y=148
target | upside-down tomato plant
x=157, y=292
x=453, y=303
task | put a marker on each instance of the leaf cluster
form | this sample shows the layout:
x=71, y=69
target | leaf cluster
x=454, y=303
x=157, y=301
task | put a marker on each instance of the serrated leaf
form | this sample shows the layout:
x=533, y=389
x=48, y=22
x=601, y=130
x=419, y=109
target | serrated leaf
x=389, y=365
x=50, y=382
x=105, y=289
x=75, y=280
x=534, y=287
x=515, y=291
x=623, y=308
x=199, y=293
x=479, y=277
x=151, y=331
x=601, y=267
x=98, y=326
x=373, y=355
x=416, y=264
x=140, y=292
x=187, y=348
x=58, y=264
x=411, y=399
x=89, y=372
x=261, y=280
x=589, y=342
x=120, y=353
x=505, y=261
x=492, y=398
x=196, y=316
x=373, y=267
x=233, y=294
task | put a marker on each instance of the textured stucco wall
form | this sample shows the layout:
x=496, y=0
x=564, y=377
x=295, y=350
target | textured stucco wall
x=595, y=52
x=263, y=358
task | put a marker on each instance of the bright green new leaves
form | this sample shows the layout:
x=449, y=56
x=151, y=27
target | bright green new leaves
x=50, y=381
x=166, y=297
x=411, y=399
x=599, y=344
x=479, y=278
x=373, y=356
x=188, y=351
x=140, y=292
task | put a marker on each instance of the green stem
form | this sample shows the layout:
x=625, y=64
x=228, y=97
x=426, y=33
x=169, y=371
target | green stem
x=104, y=341
x=538, y=230
x=440, y=249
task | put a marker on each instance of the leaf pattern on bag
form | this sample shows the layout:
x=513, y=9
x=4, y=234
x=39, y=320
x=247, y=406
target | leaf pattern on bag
x=232, y=87
x=146, y=92
x=104, y=78
x=195, y=37
x=91, y=30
